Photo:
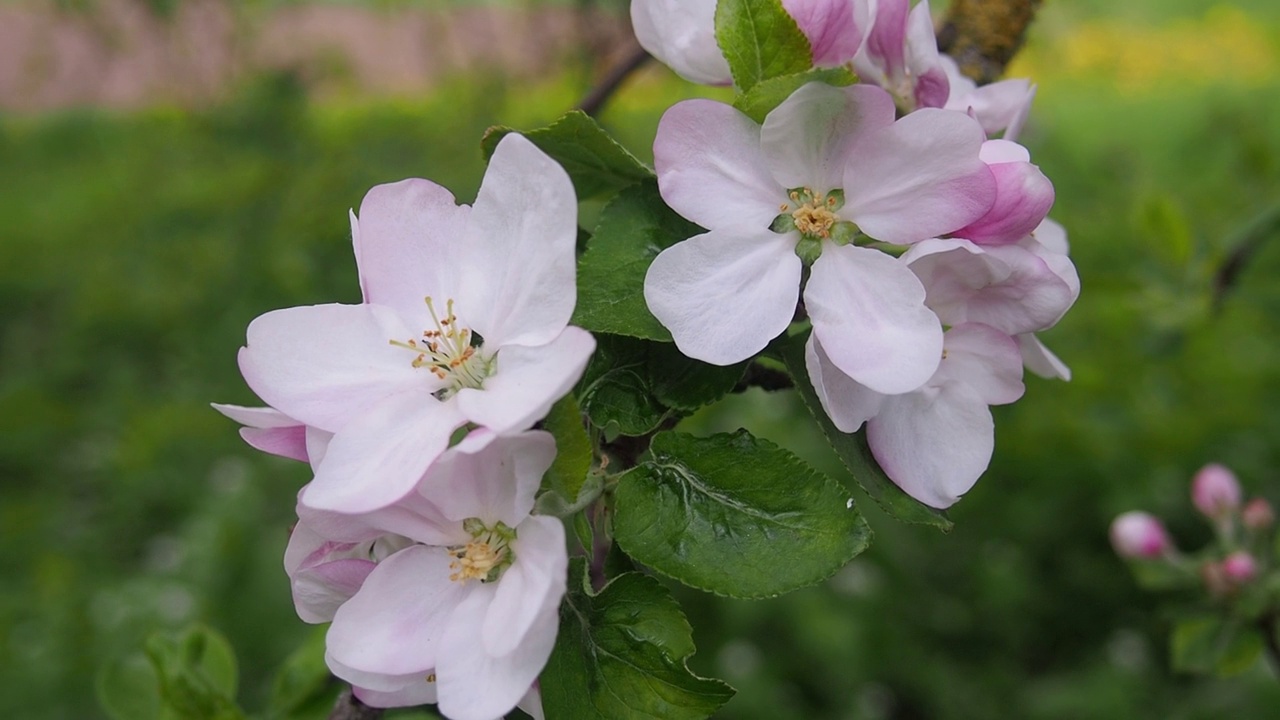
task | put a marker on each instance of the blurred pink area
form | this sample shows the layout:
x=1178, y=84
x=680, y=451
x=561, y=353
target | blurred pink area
x=119, y=54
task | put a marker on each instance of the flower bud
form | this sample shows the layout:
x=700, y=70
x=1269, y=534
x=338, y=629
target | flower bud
x=1139, y=535
x=1239, y=567
x=1215, y=491
x=1258, y=514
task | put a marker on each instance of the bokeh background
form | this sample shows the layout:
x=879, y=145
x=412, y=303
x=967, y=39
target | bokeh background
x=171, y=169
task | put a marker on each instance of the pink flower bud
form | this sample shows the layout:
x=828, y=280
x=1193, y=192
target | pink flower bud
x=1258, y=514
x=1239, y=567
x=1215, y=491
x=1139, y=535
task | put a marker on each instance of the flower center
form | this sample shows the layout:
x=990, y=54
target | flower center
x=448, y=352
x=486, y=556
x=815, y=213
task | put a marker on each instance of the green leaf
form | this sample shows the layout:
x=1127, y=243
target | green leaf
x=303, y=686
x=597, y=164
x=128, y=689
x=1162, y=575
x=569, y=470
x=853, y=449
x=631, y=386
x=736, y=515
x=634, y=227
x=760, y=40
x=765, y=96
x=197, y=673
x=1212, y=644
x=621, y=655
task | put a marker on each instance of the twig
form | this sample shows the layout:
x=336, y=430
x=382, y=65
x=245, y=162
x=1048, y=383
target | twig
x=349, y=707
x=600, y=94
x=983, y=35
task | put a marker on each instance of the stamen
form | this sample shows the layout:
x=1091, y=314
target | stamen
x=486, y=556
x=446, y=352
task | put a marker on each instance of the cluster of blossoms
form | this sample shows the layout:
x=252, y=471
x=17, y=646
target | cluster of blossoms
x=922, y=246
x=1243, y=536
x=898, y=218
x=420, y=547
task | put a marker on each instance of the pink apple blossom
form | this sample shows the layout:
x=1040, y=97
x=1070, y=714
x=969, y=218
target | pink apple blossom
x=1215, y=491
x=449, y=595
x=935, y=441
x=1258, y=514
x=465, y=320
x=1139, y=535
x=828, y=166
x=900, y=54
x=682, y=34
x=1240, y=567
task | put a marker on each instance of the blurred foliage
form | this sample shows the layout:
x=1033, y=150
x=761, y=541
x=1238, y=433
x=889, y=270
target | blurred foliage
x=137, y=248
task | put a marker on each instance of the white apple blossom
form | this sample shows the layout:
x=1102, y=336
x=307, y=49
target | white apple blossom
x=464, y=320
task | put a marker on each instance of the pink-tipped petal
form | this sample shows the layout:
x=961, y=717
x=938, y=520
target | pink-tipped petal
x=847, y=403
x=404, y=237
x=919, y=178
x=868, y=312
x=319, y=591
x=382, y=454
x=833, y=33
x=396, y=623
x=923, y=64
x=934, y=444
x=807, y=140
x=289, y=442
x=710, y=168
x=726, y=293
x=885, y=46
x=527, y=382
x=323, y=364
x=1023, y=198
x=517, y=263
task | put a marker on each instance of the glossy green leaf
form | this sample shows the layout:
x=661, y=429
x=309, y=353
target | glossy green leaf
x=569, y=470
x=853, y=449
x=760, y=40
x=197, y=673
x=303, y=686
x=769, y=94
x=597, y=164
x=736, y=515
x=128, y=689
x=621, y=654
x=631, y=386
x=634, y=227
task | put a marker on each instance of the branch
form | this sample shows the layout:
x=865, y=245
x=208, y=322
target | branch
x=984, y=35
x=349, y=707
x=595, y=100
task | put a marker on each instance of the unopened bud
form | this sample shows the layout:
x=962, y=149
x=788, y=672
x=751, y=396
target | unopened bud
x=1138, y=534
x=1258, y=514
x=1239, y=567
x=1215, y=491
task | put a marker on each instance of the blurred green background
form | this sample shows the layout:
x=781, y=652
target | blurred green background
x=138, y=243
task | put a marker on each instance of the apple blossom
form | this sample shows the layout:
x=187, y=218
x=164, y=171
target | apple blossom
x=1139, y=535
x=1023, y=196
x=682, y=34
x=451, y=594
x=1258, y=514
x=1240, y=567
x=1000, y=106
x=1215, y=491
x=900, y=54
x=828, y=166
x=933, y=442
x=464, y=320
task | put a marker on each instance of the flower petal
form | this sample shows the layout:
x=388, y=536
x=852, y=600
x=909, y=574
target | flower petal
x=829, y=25
x=710, y=168
x=403, y=237
x=726, y=293
x=396, y=623
x=517, y=261
x=528, y=381
x=382, y=454
x=474, y=685
x=807, y=140
x=887, y=38
x=490, y=477
x=1023, y=198
x=935, y=443
x=531, y=587
x=319, y=591
x=681, y=34
x=923, y=63
x=868, y=312
x=1040, y=360
x=323, y=364
x=847, y=403
x=919, y=178
x=412, y=691
x=984, y=359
